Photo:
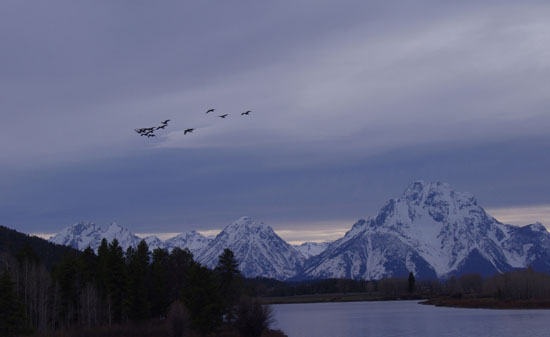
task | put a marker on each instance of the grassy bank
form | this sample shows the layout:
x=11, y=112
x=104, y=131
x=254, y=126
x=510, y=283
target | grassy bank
x=488, y=303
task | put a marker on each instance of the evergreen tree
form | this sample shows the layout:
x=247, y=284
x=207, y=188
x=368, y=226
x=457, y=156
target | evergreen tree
x=228, y=267
x=159, y=280
x=12, y=319
x=66, y=275
x=180, y=264
x=88, y=267
x=137, y=302
x=411, y=283
x=203, y=299
x=229, y=278
x=116, y=281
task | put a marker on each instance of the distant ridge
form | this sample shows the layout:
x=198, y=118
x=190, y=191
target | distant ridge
x=87, y=234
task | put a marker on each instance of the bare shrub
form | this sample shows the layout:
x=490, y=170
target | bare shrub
x=253, y=317
x=178, y=319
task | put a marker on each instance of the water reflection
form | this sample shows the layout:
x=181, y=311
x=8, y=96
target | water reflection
x=406, y=319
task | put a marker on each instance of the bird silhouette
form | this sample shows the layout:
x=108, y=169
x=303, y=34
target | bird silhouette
x=151, y=135
x=162, y=126
x=210, y=110
x=166, y=122
x=246, y=113
x=187, y=131
x=223, y=116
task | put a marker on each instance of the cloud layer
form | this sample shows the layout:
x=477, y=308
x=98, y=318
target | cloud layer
x=351, y=101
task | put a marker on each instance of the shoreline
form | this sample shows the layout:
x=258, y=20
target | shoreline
x=335, y=298
x=449, y=302
x=488, y=303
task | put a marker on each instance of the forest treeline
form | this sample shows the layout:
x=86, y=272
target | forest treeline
x=134, y=292
x=521, y=284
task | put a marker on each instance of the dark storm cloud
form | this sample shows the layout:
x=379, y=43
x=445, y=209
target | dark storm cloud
x=351, y=101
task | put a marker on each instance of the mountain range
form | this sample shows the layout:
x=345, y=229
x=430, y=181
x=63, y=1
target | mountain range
x=431, y=230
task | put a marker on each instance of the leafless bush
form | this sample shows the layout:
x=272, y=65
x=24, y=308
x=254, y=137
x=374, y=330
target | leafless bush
x=253, y=318
x=178, y=319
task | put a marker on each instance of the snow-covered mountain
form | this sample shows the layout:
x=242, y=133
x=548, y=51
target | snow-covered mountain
x=193, y=240
x=79, y=236
x=432, y=231
x=87, y=234
x=258, y=249
x=154, y=242
x=309, y=249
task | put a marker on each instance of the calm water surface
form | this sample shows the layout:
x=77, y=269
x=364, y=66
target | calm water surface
x=406, y=319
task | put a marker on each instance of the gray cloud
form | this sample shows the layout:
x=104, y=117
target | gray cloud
x=351, y=101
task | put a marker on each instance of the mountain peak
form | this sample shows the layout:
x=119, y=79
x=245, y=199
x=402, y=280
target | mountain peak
x=537, y=227
x=420, y=189
x=246, y=223
x=259, y=250
x=83, y=225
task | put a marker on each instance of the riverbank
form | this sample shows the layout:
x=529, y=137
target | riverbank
x=334, y=297
x=487, y=303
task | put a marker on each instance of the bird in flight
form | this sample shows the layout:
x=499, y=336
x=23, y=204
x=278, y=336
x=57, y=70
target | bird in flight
x=210, y=110
x=166, y=122
x=223, y=116
x=187, y=131
x=246, y=113
x=151, y=135
x=162, y=126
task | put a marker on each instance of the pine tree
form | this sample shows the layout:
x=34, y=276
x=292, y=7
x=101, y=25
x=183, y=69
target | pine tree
x=12, y=319
x=137, y=301
x=229, y=276
x=180, y=264
x=227, y=267
x=202, y=298
x=159, y=281
x=412, y=283
x=116, y=281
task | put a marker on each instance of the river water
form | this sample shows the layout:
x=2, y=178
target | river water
x=406, y=319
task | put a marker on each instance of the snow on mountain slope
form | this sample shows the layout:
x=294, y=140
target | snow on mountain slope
x=153, y=242
x=194, y=241
x=431, y=230
x=79, y=236
x=122, y=234
x=309, y=249
x=85, y=234
x=259, y=251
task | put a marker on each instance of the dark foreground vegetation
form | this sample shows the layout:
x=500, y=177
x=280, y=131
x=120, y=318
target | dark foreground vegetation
x=519, y=289
x=343, y=290
x=115, y=293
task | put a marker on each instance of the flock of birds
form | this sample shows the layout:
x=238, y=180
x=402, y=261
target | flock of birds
x=150, y=132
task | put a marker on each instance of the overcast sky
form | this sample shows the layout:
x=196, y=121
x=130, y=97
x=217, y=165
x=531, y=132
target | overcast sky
x=351, y=101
